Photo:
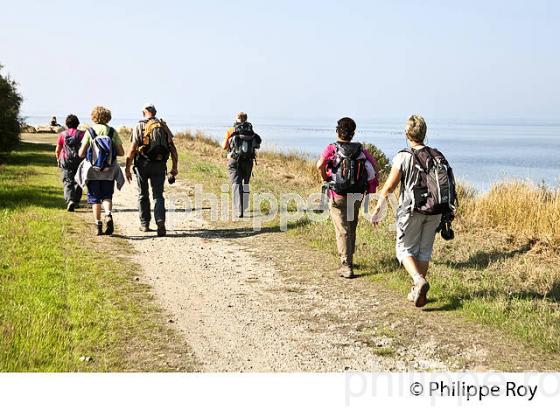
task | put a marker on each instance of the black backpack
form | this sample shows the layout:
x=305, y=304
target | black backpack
x=155, y=141
x=243, y=142
x=71, y=148
x=349, y=174
x=434, y=187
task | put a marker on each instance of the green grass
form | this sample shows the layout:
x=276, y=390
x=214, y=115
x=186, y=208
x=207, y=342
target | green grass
x=507, y=282
x=66, y=294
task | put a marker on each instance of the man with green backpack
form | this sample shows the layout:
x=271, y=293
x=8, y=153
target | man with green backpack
x=152, y=145
x=241, y=143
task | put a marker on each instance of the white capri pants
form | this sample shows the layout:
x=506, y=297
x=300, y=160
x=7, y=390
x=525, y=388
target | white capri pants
x=415, y=236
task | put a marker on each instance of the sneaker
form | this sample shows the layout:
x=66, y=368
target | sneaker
x=421, y=297
x=411, y=294
x=346, y=271
x=145, y=227
x=161, y=231
x=110, y=228
x=99, y=226
x=71, y=206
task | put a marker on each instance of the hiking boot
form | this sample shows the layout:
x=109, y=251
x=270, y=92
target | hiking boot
x=110, y=228
x=421, y=297
x=99, y=226
x=71, y=206
x=411, y=294
x=161, y=231
x=346, y=271
x=145, y=227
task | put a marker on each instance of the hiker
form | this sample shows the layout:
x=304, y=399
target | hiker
x=349, y=171
x=426, y=204
x=241, y=142
x=152, y=144
x=54, y=122
x=100, y=147
x=68, y=159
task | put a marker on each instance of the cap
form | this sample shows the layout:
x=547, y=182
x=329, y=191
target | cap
x=149, y=107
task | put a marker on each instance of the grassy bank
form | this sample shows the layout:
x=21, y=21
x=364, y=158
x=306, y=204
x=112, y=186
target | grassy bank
x=501, y=270
x=65, y=294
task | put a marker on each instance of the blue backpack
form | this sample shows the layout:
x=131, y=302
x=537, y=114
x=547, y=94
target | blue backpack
x=100, y=152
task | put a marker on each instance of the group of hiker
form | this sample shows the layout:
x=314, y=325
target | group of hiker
x=89, y=159
x=427, y=188
x=427, y=200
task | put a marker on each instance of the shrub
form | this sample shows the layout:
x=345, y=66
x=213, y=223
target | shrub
x=10, y=102
x=382, y=159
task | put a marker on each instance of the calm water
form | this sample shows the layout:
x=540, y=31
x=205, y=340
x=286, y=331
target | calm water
x=480, y=152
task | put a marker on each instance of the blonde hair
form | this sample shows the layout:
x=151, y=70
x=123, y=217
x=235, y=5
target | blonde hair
x=241, y=117
x=100, y=115
x=416, y=128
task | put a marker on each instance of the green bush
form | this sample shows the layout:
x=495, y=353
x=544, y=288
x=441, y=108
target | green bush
x=381, y=158
x=10, y=101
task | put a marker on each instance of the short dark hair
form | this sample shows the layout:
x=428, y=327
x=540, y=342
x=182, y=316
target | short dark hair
x=72, y=121
x=345, y=128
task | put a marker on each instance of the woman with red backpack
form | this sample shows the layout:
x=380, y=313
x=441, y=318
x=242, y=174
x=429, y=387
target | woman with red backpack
x=350, y=172
x=68, y=159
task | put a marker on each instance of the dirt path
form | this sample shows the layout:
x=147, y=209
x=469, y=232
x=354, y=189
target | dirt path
x=243, y=304
x=261, y=301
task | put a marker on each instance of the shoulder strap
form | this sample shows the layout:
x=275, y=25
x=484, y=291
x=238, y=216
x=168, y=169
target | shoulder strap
x=111, y=132
x=92, y=133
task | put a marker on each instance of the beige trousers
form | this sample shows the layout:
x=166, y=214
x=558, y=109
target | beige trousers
x=344, y=214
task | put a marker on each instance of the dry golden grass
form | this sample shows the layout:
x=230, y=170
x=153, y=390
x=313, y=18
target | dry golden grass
x=514, y=207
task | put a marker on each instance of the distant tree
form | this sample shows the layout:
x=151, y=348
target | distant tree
x=10, y=102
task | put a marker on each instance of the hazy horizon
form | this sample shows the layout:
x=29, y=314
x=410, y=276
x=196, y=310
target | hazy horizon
x=313, y=60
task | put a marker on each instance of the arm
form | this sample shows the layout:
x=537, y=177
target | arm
x=389, y=186
x=83, y=148
x=172, y=149
x=129, y=158
x=373, y=161
x=225, y=144
x=392, y=181
x=174, y=158
x=120, y=150
x=322, y=167
x=57, y=152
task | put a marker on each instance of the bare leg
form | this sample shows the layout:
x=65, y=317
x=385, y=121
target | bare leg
x=107, y=206
x=96, y=208
x=413, y=267
x=423, y=267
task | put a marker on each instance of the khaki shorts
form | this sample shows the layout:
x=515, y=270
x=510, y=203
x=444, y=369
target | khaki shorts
x=415, y=236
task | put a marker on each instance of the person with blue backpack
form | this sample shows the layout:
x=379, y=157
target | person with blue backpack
x=68, y=159
x=427, y=204
x=100, y=147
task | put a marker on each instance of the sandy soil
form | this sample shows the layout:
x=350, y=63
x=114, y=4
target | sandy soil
x=241, y=310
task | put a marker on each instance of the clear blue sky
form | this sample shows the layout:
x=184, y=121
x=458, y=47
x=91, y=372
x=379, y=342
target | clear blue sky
x=295, y=59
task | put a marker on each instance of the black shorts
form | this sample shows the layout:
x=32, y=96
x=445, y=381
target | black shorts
x=98, y=191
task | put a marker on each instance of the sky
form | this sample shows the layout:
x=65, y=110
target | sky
x=286, y=59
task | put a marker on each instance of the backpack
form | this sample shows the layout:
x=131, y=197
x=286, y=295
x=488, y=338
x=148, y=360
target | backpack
x=434, y=188
x=155, y=141
x=71, y=148
x=100, y=152
x=349, y=174
x=243, y=142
